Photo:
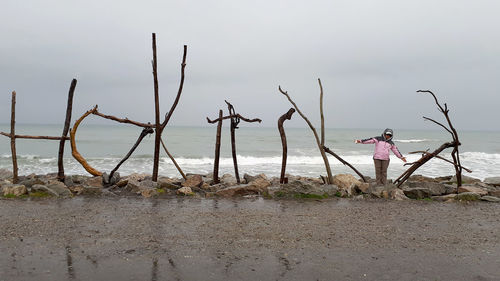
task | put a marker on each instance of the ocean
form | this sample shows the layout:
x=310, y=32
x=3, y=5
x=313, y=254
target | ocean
x=258, y=150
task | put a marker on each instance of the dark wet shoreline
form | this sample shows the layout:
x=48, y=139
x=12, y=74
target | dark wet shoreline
x=88, y=238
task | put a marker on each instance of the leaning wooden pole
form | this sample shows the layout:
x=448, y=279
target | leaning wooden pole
x=67, y=121
x=15, y=178
x=217, y=149
x=156, y=158
x=321, y=113
x=173, y=160
x=281, y=120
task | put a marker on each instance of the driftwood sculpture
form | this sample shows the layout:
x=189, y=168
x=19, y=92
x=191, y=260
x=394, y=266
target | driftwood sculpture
x=62, y=139
x=281, y=120
x=160, y=126
x=426, y=156
x=75, y=152
x=235, y=120
x=318, y=141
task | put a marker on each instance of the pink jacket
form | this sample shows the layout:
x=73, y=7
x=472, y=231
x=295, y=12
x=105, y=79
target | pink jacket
x=382, y=147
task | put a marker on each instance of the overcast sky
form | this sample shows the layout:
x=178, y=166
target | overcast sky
x=371, y=57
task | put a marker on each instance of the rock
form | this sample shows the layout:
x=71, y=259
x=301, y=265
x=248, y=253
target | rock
x=495, y=193
x=445, y=198
x=122, y=182
x=137, y=177
x=248, y=178
x=417, y=192
x=239, y=190
x=490, y=198
x=420, y=178
x=381, y=191
x=78, y=179
x=58, y=187
x=29, y=182
x=228, y=180
x=468, y=196
x=260, y=182
x=397, y=194
x=43, y=188
x=167, y=183
x=149, y=192
x=435, y=187
x=349, y=184
x=91, y=190
x=303, y=187
x=470, y=188
x=193, y=181
x=5, y=174
x=465, y=179
x=491, y=181
x=114, y=179
x=133, y=186
x=450, y=189
x=14, y=189
x=94, y=181
x=185, y=191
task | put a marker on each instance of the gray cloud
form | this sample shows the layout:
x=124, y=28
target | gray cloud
x=371, y=56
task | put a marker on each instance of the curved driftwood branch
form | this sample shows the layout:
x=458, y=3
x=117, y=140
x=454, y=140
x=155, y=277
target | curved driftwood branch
x=321, y=113
x=121, y=120
x=75, y=152
x=281, y=120
x=318, y=142
x=179, y=91
x=173, y=160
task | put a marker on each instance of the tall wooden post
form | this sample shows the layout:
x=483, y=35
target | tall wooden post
x=217, y=149
x=156, y=158
x=69, y=109
x=13, y=138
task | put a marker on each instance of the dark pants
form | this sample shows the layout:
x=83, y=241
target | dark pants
x=381, y=171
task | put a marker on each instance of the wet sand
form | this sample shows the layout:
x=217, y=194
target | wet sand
x=247, y=239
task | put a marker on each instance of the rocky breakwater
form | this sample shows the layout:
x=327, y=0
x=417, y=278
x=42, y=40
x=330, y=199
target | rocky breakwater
x=344, y=185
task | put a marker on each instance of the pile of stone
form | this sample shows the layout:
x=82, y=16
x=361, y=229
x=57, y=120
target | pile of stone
x=344, y=185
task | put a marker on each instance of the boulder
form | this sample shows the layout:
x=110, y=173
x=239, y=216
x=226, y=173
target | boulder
x=14, y=189
x=381, y=191
x=495, y=181
x=193, y=181
x=248, y=178
x=111, y=181
x=470, y=188
x=133, y=186
x=58, y=187
x=149, y=192
x=417, y=192
x=185, y=191
x=349, y=184
x=122, y=183
x=468, y=196
x=228, y=180
x=495, y=193
x=29, y=182
x=397, y=194
x=5, y=174
x=450, y=189
x=239, y=190
x=260, y=182
x=465, y=179
x=420, y=178
x=43, y=188
x=435, y=187
x=137, y=177
x=306, y=187
x=490, y=198
x=94, y=181
x=167, y=183
x=445, y=198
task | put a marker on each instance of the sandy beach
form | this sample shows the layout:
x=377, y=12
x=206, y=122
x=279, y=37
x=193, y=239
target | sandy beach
x=88, y=238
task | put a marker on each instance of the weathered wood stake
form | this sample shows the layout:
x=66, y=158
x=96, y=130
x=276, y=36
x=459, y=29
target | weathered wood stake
x=15, y=178
x=173, y=160
x=156, y=158
x=286, y=116
x=69, y=108
x=234, y=125
x=217, y=149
